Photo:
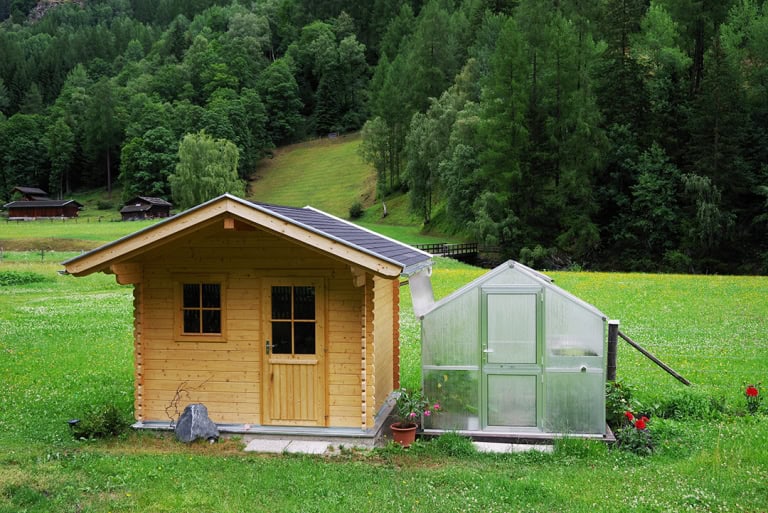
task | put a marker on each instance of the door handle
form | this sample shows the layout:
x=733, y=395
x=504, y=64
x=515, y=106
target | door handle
x=269, y=347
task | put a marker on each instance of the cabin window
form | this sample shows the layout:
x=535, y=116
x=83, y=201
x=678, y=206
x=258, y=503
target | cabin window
x=293, y=319
x=201, y=308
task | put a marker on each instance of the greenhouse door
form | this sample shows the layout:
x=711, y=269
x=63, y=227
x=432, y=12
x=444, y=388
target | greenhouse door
x=511, y=335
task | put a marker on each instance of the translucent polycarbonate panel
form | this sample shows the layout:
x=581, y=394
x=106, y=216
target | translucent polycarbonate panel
x=421, y=292
x=511, y=276
x=574, y=402
x=511, y=328
x=458, y=394
x=451, y=333
x=574, y=334
x=511, y=400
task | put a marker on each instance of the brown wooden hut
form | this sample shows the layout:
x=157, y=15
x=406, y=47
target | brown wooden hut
x=145, y=207
x=44, y=208
x=30, y=193
x=280, y=320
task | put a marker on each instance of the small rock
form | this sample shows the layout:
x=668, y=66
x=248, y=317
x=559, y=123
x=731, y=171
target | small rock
x=194, y=423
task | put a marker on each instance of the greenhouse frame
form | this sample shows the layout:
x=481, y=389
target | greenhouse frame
x=511, y=354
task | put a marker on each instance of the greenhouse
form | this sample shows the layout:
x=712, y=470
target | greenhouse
x=512, y=354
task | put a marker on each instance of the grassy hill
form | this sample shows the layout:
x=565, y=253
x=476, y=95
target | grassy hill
x=326, y=173
x=330, y=175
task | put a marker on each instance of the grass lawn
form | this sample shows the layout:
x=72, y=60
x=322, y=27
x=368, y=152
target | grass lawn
x=65, y=346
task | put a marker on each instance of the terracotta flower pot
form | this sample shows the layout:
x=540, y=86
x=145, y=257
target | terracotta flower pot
x=404, y=434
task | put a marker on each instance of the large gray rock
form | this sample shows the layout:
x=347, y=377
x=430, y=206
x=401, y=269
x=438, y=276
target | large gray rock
x=194, y=423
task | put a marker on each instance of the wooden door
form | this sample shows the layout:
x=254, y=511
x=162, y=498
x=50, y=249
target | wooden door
x=294, y=368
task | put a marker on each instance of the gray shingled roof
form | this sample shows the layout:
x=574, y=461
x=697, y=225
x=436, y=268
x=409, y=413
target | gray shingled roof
x=149, y=199
x=40, y=203
x=32, y=191
x=352, y=235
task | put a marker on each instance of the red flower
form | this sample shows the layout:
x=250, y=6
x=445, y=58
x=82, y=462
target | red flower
x=640, y=424
x=752, y=391
x=629, y=415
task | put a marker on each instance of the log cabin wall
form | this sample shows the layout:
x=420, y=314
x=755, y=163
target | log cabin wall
x=382, y=368
x=226, y=375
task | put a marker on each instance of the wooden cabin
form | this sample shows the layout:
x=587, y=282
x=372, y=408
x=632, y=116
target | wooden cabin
x=145, y=207
x=34, y=203
x=278, y=319
x=30, y=194
x=42, y=209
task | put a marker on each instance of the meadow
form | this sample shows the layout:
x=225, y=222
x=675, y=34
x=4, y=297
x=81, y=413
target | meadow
x=65, y=348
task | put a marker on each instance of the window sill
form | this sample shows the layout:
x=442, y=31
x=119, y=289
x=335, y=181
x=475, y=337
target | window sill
x=201, y=338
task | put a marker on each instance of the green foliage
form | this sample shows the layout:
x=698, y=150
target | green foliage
x=689, y=403
x=452, y=445
x=100, y=421
x=412, y=406
x=207, y=168
x=11, y=278
x=356, y=210
x=638, y=440
x=618, y=401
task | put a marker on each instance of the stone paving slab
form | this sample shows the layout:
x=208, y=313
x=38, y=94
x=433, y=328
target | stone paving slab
x=293, y=446
x=502, y=448
x=326, y=447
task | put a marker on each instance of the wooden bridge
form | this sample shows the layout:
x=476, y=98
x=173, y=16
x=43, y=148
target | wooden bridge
x=449, y=250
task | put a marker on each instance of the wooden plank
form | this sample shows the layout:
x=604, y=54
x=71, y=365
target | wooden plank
x=199, y=365
x=196, y=377
x=236, y=387
x=179, y=353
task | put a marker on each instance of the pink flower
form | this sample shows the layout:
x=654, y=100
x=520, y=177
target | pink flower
x=427, y=413
x=412, y=414
x=436, y=406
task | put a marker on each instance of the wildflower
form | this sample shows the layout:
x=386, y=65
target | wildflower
x=752, y=391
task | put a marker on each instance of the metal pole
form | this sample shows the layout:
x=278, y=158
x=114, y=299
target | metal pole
x=613, y=342
x=654, y=359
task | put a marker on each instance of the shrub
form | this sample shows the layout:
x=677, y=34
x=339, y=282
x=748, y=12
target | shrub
x=635, y=435
x=356, y=210
x=9, y=278
x=100, y=421
x=618, y=400
x=690, y=403
x=453, y=444
x=104, y=205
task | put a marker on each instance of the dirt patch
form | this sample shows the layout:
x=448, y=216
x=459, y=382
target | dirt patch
x=48, y=244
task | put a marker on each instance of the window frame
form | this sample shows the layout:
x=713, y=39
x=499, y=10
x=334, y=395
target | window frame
x=198, y=279
x=292, y=320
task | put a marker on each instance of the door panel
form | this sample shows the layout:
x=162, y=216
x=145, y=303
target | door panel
x=294, y=377
x=512, y=370
x=511, y=328
x=512, y=400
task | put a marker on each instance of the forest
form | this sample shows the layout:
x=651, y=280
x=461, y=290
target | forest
x=597, y=134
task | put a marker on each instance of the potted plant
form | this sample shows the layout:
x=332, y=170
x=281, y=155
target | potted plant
x=410, y=409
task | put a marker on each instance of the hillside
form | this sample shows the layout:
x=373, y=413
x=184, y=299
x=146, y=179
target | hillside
x=325, y=173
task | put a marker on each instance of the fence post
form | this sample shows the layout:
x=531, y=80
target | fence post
x=613, y=342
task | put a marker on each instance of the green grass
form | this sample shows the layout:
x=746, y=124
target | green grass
x=65, y=344
x=327, y=174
